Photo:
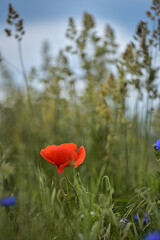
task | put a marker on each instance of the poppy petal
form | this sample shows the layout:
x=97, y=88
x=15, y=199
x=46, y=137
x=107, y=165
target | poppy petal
x=60, y=169
x=43, y=154
x=71, y=146
x=50, y=146
x=51, y=152
x=62, y=166
x=81, y=156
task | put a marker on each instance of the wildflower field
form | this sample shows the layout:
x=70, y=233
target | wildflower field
x=80, y=155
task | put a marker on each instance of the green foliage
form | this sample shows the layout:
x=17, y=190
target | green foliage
x=117, y=178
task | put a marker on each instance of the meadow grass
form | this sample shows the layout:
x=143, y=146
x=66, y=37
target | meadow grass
x=120, y=175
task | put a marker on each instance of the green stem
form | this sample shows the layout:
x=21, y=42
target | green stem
x=22, y=64
x=72, y=187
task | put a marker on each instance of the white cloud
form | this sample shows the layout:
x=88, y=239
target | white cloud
x=54, y=33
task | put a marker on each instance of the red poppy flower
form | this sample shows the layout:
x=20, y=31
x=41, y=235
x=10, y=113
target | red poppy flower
x=63, y=155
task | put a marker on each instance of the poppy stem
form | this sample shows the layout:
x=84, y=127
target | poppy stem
x=72, y=187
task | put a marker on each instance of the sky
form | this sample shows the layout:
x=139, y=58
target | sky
x=46, y=20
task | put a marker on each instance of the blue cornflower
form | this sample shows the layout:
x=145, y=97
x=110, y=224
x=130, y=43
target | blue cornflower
x=146, y=218
x=9, y=201
x=157, y=144
x=152, y=236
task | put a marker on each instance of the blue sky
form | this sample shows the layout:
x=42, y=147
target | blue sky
x=125, y=12
x=46, y=20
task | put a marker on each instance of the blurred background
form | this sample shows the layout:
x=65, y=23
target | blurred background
x=48, y=20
